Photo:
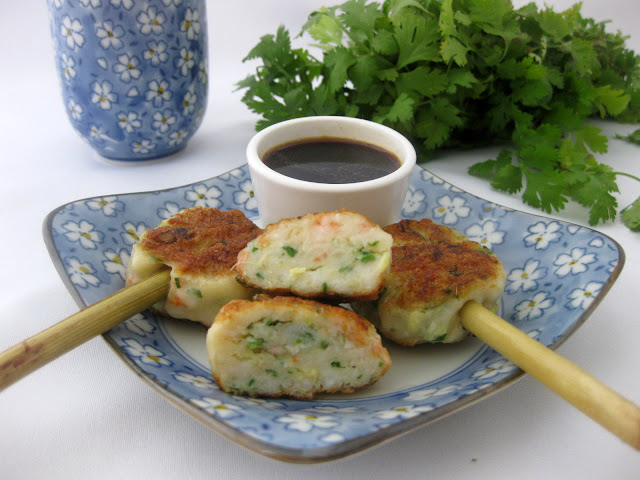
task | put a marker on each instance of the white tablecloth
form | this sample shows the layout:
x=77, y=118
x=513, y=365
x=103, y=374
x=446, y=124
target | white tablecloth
x=87, y=416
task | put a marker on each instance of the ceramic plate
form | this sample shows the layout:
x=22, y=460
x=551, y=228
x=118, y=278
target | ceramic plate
x=557, y=274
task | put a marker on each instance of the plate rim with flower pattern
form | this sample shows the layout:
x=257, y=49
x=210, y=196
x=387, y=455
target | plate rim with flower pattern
x=558, y=272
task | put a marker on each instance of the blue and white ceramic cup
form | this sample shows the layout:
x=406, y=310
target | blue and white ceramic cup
x=133, y=72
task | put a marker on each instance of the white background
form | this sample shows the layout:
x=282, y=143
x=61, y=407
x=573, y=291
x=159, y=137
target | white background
x=87, y=416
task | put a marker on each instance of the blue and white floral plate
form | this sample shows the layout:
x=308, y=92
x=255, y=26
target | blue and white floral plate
x=557, y=274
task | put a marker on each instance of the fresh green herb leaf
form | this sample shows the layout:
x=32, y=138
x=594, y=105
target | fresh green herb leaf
x=451, y=74
x=631, y=216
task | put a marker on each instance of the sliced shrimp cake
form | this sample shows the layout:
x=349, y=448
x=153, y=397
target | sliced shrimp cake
x=434, y=272
x=332, y=255
x=293, y=347
x=200, y=245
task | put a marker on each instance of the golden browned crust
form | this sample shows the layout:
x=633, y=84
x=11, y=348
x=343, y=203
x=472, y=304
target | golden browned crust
x=432, y=274
x=421, y=232
x=199, y=240
x=431, y=263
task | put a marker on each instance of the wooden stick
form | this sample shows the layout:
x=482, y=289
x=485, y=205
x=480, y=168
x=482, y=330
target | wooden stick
x=34, y=352
x=579, y=388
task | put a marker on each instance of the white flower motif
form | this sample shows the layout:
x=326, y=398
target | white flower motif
x=267, y=404
x=191, y=24
x=109, y=35
x=414, y=201
x=68, y=64
x=71, y=31
x=75, y=110
x=97, y=133
x=542, y=234
x=169, y=210
x=582, y=297
x=305, y=422
x=81, y=274
x=103, y=95
x=203, y=196
x=58, y=3
x=195, y=380
x=186, y=61
x=158, y=92
x=534, y=307
x=494, y=211
x=235, y=173
x=163, y=120
x=126, y=4
x=142, y=146
x=132, y=233
x=92, y=3
x=331, y=409
x=574, y=263
x=128, y=121
x=145, y=353
x=245, y=196
x=126, y=68
x=151, y=21
x=495, y=368
x=216, y=407
x=139, y=325
x=450, y=209
x=419, y=395
x=403, y=412
x=167, y=3
x=525, y=278
x=189, y=102
x=486, y=234
x=156, y=52
x=333, y=438
x=177, y=137
x=202, y=71
x=83, y=232
x=116, y=262
x=109, y=205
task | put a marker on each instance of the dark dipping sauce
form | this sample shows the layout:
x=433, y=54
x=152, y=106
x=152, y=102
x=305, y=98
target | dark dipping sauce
x=331, y=160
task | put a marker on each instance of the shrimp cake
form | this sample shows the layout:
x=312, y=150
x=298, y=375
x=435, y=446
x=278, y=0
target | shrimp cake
x=337, y=256
x=434, y=272
x=293, y=347
x=200, y=245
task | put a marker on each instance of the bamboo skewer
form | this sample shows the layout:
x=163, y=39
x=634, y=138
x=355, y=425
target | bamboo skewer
x=579, y=388
x=607, y=407
x=34, y=352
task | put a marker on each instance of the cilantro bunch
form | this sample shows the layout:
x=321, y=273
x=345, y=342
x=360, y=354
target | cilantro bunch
x=463, y=74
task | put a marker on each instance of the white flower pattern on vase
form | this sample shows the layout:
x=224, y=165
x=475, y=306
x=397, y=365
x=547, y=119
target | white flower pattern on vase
x=120, y=50
x=71, y=30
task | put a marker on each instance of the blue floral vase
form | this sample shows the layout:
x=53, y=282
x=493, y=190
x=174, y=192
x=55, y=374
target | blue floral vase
x=133, y=73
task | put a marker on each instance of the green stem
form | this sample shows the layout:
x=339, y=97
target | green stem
x=627, y=175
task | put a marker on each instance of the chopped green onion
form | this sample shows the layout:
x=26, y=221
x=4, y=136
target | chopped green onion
x=195, y=292
x=290, y=250
x=177, y=280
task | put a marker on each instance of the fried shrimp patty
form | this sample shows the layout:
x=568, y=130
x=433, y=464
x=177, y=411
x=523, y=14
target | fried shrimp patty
x=340, y=256
x=288, y=346
x=434, y=272
x=200, y=245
